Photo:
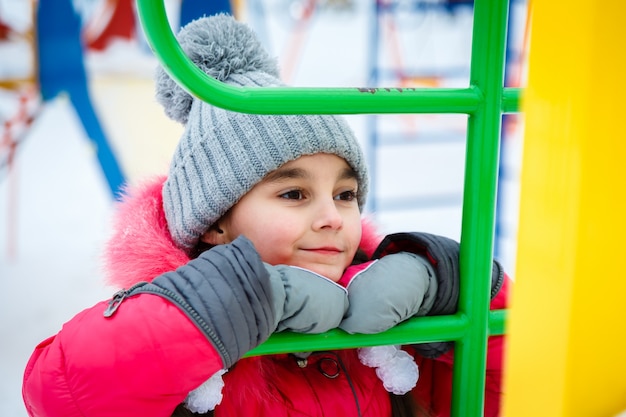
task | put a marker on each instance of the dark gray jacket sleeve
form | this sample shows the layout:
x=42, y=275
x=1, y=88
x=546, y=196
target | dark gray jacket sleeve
x=226, y=292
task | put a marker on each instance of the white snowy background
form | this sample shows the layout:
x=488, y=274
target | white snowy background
x=55, y=206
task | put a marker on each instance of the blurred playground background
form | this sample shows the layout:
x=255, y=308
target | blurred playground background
x=78, y=119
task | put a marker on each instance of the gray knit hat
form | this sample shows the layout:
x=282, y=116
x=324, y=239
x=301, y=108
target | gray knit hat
x=223, y=154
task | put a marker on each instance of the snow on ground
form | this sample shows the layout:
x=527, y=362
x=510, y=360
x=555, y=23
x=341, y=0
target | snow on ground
x=49, y=269
x=55, y=206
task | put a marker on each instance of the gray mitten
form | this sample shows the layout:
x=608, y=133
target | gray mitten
x=387, y=291
x=304, y=301
x=443, y=254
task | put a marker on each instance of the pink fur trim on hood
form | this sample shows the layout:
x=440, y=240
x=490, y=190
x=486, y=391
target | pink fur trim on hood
x=141, y=248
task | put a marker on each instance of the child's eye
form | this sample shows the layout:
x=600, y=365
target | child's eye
x=346, y=196
x=292, y=195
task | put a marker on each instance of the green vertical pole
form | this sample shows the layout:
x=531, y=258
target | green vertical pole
x=481, y=167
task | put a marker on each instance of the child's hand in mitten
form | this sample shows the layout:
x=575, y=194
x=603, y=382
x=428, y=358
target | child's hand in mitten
x=304, y=301
x=387, y=291
x=442, y=255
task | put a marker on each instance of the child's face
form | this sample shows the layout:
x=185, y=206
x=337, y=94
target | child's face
x=303, y=214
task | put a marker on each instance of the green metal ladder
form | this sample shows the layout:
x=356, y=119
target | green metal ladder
x=484, y=101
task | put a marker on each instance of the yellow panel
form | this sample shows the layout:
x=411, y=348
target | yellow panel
x=567, y=331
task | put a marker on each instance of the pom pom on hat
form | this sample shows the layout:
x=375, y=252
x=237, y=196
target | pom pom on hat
x=223, y=154
x=220, y=46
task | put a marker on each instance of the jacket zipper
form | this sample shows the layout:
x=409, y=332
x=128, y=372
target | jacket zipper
x=148, y=288
x=119, y=297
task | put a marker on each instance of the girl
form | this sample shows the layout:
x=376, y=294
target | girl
x=257, y=228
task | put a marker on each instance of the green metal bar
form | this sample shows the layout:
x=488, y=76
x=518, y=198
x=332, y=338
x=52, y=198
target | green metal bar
x=497, y=322
x=510, y=99
x=282, y=100
x=292, y=100
x=416, y=330
x=478, y=224
x=430, y=328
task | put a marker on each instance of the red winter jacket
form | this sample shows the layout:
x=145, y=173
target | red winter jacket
x=149, y=356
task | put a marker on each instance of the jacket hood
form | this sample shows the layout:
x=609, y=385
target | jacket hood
x=141, y=248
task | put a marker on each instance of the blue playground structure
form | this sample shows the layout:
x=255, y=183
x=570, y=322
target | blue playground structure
x=61, y=70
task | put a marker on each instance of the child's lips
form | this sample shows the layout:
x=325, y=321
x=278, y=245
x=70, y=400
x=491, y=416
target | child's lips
x=326, y=250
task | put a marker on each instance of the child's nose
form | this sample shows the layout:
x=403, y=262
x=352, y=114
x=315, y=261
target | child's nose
x=327, y=216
